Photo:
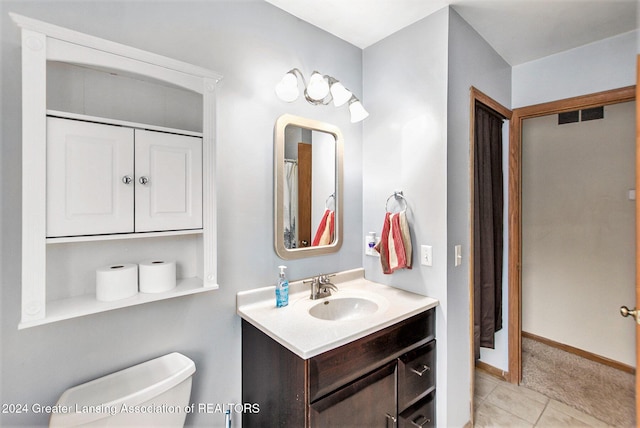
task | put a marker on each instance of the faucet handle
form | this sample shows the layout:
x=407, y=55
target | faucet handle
x=324, y=279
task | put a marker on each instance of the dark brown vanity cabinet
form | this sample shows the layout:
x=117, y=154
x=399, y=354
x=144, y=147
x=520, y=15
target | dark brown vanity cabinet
x=385, y=379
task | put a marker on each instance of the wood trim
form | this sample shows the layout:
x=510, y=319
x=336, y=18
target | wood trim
x=613, y=96
x=514, y=245
x=477, y=95
x=581, y=353
x=472, y=384
x=305, y=165
x=637, y=232
x=493, y=371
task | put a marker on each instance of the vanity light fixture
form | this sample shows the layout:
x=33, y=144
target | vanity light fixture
x=321, y=90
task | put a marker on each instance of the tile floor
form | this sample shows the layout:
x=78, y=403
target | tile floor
x=501, y=404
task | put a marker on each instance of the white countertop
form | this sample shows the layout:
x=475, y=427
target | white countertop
x=307, y=336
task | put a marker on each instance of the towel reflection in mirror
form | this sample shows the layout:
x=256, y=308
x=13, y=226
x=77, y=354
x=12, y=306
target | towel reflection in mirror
x=309, y=168
x=325, y=232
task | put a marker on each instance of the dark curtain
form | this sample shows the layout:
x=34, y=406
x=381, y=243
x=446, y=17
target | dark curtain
x=487, y=218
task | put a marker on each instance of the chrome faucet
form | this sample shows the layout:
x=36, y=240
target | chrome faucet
x=321, y=286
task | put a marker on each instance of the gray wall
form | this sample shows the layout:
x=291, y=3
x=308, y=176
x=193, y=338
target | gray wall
x=599, y=66
x=472, y=62
x=417, y=140
x=405, y=83
x=252, y=44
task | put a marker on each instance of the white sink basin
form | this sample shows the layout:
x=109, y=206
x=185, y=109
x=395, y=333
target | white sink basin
x=343, y=308
x=309, y=327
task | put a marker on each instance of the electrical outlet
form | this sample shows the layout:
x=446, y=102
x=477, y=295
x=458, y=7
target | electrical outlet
x=426, y=255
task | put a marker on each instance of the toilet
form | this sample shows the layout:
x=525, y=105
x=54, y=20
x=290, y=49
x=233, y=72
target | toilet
x=151, y=394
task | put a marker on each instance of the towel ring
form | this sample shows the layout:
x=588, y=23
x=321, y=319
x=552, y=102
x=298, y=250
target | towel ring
x=399, y=196
x=326, y=202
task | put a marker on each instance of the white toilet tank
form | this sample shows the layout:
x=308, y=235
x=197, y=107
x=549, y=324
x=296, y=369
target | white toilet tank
x=151, y=394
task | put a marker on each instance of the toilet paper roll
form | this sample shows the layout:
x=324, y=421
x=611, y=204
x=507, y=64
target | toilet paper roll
x=157, y=276
x=116, y=282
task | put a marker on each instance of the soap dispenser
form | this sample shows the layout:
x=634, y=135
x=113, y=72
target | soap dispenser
x=282, y=289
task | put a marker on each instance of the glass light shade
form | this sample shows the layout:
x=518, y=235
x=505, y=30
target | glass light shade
x=318, y=87
x=287, y=89
x=340, y=94
x=357, y=111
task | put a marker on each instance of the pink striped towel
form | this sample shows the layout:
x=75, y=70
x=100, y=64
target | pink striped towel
x=324, y=234
x=395, y=243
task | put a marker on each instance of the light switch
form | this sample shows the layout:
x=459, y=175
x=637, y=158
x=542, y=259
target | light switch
x=458, y=255
x=426, y=255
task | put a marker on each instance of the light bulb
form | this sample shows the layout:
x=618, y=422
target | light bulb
x=287, y=89
x=340, y=94
x=357, y=111
x=318, y=88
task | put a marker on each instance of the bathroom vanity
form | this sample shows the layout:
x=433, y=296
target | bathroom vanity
x=375, y=369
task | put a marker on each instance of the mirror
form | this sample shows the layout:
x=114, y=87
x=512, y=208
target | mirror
x=308, y=187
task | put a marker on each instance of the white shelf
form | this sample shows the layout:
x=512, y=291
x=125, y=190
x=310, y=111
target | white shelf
x=139, y=235
x=43, y=42
x=87, y=304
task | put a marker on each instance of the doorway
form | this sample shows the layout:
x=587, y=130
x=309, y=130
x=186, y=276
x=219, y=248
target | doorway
x=514, y=219
x=515, y=205
x=578, y=248
x=478, y=97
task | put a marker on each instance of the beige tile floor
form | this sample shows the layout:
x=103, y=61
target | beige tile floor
x=501, y=404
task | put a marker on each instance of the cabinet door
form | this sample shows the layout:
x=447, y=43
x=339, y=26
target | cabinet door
x=87, y=193
x=368, y=402
x=168, y=181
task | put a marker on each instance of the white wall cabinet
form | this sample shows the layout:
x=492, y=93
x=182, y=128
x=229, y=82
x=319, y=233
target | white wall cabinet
x=80, y=211
x=104, y=179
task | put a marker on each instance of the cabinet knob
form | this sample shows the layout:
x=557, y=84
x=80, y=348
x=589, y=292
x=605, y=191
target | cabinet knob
x=127, y=179
x=143, y=180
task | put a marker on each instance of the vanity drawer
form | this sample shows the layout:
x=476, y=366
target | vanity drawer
x=422, y=414
x=416, y=374
x=335, y=368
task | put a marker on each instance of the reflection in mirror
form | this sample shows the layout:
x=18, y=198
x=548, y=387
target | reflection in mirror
x=308, y=168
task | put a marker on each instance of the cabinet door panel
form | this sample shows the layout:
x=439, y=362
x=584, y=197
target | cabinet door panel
x=86, y=163
x=171, y=199
x=368, y=402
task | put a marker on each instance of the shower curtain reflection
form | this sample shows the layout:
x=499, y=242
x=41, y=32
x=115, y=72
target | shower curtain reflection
x=290, y=203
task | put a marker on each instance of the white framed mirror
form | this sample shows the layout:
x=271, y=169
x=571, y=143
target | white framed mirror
x=307, y=187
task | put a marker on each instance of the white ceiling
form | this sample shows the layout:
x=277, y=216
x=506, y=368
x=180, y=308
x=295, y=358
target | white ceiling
x=519, y=30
